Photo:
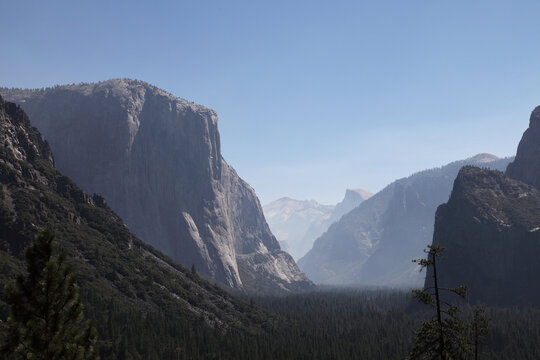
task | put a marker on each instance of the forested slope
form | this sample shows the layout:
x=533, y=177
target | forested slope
x=138, y=296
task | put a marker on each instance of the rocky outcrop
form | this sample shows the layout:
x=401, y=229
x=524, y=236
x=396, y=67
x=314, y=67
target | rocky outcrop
x=526, y=166
x=490, y=228
x=157, y=161
x=353, y=198
x=20, y=138
x=115, y=268
x=374, y=243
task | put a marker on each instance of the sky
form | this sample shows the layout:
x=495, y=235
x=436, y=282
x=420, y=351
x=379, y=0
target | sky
x=313, y=97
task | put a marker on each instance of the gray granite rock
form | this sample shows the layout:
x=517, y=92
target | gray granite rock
x=526, y=166
x=490, y=229
x=157, y=161
x=373, y=244
x=352, y=198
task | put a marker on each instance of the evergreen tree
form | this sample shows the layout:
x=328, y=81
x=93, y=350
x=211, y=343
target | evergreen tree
x=479, y=328
x=47, y=321
x=445, y=335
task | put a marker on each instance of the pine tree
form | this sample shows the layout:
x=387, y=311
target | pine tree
x=47, y=321
x=445, y=336
x=479, y=328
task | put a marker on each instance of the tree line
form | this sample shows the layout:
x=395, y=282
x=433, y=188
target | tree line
x=47, y=321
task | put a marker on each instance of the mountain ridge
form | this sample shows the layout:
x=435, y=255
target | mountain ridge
x=373, y=245
x=526, y=166
x=114, y=267
x=490, y=229
x=157, y=160
x=297, y=223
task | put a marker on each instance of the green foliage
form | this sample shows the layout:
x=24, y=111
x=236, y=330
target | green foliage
x=479, y=329
x=125, y=284
x=47, y=321
x=369, y=324
x=147, y=307
x=339, y=324
x=445, y=335
x=428, y=345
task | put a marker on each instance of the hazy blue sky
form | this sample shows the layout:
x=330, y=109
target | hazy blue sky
x=313, y=97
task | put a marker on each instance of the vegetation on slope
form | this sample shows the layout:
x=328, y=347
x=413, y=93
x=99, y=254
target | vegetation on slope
x=125, y=283
x=145, y=306
x=371, y=324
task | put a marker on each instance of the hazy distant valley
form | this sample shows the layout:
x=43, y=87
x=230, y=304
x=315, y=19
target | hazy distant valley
x=374, y=243
x=173, y=247
x=296, y=224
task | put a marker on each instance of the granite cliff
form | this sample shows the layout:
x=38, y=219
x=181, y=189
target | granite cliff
x=157, y=161
x=374, y=243
x=490, y=227
x=526, y=166
x=116, y=270
x=352, y=198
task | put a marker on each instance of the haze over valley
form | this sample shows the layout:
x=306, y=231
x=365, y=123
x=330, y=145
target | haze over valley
x=208, y=180
x=297, y=224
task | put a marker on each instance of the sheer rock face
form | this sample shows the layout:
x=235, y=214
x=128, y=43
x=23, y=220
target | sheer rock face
x=111, y=262
x=491, y=230
x=157, y=160
x=353, y=198
x=526, y=166
x=374, y=243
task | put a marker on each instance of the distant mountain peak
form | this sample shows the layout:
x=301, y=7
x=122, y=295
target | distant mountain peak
x=365, y=194
x=482, y=158
x=373, y=244
x=290, y=219
x=526, y=166
x=297, y=223
x=352, y=198
x=535, y=117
